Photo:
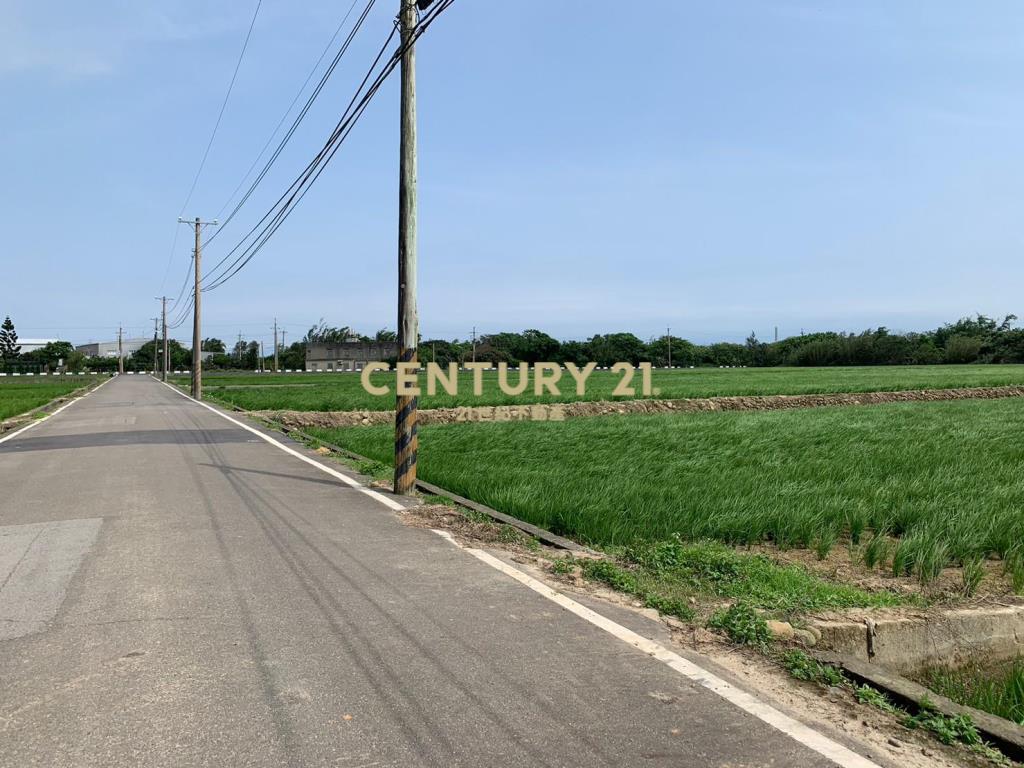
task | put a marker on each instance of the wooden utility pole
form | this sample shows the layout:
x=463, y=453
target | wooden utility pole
x=163, y=312
x=120, y=352
x=406, y=440
x=197, y=310
x=275, y=345
x=156, y=331
x=197, y=316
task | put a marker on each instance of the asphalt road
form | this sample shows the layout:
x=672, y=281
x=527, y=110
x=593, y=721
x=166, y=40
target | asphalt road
x=175, y=591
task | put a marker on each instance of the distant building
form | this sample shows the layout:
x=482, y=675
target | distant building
x=31, y=345
x=348, y=355
x=109, y=348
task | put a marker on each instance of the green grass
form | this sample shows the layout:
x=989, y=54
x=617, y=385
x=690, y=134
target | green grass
x=946, y=479
x=672, y=576
x=23, y=393
x=344, y=392
x=995, y=689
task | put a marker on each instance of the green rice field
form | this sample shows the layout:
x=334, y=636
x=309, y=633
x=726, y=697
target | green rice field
x=344, y=391
x=941, y=483
x=19, y=394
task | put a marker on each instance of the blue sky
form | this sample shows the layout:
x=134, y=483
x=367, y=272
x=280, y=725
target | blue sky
x=585, y=167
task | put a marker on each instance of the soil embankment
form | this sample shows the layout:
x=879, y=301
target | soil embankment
x=562, y=411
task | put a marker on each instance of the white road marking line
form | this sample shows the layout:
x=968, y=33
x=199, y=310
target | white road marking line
x=51, y=415
x=387, y=502
x=796, y=730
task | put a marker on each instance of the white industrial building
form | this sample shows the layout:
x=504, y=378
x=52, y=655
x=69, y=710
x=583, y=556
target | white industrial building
x=109, y=348
x=31, y=345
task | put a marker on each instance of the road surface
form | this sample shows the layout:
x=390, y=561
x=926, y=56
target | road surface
x=177, y=591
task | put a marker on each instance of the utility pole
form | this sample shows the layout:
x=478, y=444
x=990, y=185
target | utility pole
x=261, y=368
x=156, y=327
x=406, y=439
x=275, y=345
x=163, y=315
x=776, y=333
x=197, y=312
x=120, y=352
x=668, y=332
x=238, y=349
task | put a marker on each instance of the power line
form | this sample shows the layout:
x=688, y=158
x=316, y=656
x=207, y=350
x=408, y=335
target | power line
x=223, y=107
x=213, y=135
x=302, y=112
x=285, y=204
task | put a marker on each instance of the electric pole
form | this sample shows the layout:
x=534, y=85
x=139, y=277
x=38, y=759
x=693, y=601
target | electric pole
x=275, y=345
x=120, y=352
x=668, y=332
x=197, y=314
x=163, y=315
x=406, y=440
x=156, y=331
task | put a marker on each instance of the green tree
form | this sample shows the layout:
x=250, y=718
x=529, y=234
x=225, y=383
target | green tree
x=213, y=345
x=293, y=358
x=9, y=347
x=616, y=348
x=321, y=333
x=962, y=349
x=51, y=354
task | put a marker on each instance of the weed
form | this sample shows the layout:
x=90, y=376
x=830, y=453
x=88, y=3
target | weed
x=442, y=501
x=627, y=581
x=867, y=695
x=477, y=517
x=507, y=534
x=563, y=565
x=375, y=469
x=743, y=625
x=949, y=730
x=803, y=667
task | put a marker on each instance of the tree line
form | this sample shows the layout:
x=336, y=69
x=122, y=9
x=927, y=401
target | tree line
x=979, y=339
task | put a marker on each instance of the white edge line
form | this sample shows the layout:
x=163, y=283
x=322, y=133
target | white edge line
x=796, y=730
x=387, y=502
x=50, y=415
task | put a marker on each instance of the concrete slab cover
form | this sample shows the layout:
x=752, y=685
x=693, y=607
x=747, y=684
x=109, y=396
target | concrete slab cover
x=37, y=562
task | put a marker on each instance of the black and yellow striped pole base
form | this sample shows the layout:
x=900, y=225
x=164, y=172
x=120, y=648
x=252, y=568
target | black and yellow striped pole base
x=406, y=439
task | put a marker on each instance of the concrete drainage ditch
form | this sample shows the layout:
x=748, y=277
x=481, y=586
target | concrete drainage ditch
x=886, y=650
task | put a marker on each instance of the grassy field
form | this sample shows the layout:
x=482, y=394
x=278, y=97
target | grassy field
x=23, y=393
x=943, y=481
x=344, y=392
